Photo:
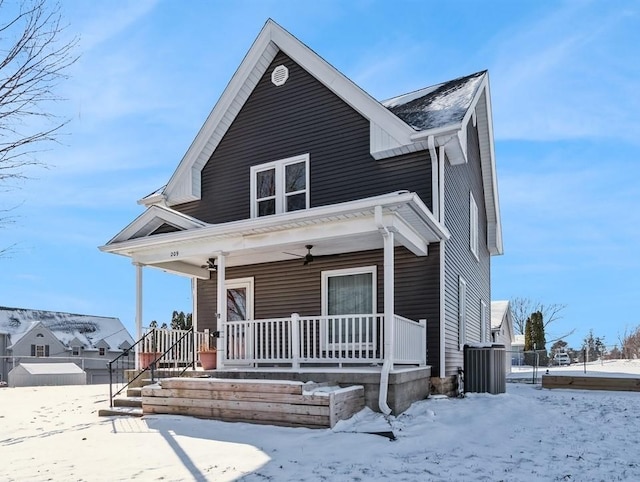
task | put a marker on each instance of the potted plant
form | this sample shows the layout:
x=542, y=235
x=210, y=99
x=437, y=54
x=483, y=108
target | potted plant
x=148, y=353
x=208, y=356
x=147, y=358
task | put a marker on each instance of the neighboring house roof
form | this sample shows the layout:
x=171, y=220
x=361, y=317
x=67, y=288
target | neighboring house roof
x=51, y=368
x=518, y=340
x=501, y=318
x=66, y=327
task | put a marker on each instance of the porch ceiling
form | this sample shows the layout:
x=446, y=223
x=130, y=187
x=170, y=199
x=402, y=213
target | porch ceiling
x=340, y=228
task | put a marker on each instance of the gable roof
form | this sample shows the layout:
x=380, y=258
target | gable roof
x=66, y=327
x=435, y=116
x=154, y=217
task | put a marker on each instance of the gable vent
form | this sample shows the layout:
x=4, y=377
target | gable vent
x=279, y=75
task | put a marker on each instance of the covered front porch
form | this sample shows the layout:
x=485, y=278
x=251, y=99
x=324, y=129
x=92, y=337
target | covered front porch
x=342, y=314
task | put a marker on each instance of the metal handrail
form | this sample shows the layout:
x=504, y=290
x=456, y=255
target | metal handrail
x=147, y=340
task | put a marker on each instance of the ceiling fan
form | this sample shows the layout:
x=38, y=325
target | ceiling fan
x=308, y=258
x=211, y=265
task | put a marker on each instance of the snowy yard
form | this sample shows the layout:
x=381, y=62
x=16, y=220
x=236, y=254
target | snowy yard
x=54, y=433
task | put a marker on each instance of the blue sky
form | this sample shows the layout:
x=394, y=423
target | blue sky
x=564, y=83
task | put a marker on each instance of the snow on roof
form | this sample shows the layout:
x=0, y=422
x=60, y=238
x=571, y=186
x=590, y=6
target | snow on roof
x=498, y=311
x=437, y=106
x=51, y=368
x=89, y=330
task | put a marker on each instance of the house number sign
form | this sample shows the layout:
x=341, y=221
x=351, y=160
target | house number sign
x=173, y=254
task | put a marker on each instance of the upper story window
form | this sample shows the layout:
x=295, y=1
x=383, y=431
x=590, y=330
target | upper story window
x=75, y=351
x=280, y=186
x=39, y=350
x=102, y=351
x=473, y=225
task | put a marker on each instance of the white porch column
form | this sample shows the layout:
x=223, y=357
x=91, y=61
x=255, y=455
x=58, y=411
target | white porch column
x=194, y=316
x=138, y=310
x=222, y=309
x=389, y=299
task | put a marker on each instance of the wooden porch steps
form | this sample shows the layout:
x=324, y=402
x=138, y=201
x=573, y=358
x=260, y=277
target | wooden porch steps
x=273, y=402
x=130, y=406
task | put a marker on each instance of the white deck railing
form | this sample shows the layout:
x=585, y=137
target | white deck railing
x=410, y=341
x=339, y=339
x=304, y=340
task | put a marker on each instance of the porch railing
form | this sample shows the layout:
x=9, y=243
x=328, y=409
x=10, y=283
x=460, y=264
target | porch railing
x=343, y=339
x=298, y=340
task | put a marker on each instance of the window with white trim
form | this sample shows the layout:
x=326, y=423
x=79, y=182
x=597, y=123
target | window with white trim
x=462, y=312
x=350, y=291
x=102, y=351
x=75, y=351
x=473, y=225
x=40, y=350
x=280, y=186
x=484, y=325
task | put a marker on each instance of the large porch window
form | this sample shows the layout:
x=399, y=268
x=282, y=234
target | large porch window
x=349, y=292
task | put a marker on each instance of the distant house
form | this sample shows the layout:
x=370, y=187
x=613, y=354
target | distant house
x=322, y=227
x=36, y=336
x=502, y=327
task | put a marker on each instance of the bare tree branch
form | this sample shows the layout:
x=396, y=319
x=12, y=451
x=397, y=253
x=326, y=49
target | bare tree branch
x=33, y=60
x=521, y=309
x=34, y=57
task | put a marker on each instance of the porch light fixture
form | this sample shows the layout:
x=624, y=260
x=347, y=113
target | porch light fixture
x=211, y=265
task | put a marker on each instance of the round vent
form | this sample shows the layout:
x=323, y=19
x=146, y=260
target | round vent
x=279, y=75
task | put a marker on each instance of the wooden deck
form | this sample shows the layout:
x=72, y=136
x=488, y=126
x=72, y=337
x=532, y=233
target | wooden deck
x=286, y=403
x=591, y=383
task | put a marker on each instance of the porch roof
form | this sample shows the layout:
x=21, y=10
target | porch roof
x=338, y=228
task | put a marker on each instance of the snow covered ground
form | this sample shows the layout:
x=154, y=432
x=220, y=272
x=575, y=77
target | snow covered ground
x=54, y=433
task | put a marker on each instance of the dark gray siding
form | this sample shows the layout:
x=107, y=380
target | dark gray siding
x=165, y=228
x=301, y=116
x=288, y=286
x=459, y=260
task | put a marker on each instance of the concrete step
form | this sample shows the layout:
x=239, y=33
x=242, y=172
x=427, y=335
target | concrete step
x=120, y=411
x=128, y=402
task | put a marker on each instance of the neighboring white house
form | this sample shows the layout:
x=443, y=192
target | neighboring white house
x=46, y=374
x=37, y=336
x=502, y=328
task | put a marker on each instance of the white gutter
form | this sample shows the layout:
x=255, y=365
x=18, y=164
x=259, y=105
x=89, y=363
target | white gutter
x=421, y=135
x=389, y=329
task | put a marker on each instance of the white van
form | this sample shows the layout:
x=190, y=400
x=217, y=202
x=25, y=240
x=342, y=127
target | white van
x=561, y=359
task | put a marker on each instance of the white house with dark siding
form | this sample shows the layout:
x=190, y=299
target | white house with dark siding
x=323, y=228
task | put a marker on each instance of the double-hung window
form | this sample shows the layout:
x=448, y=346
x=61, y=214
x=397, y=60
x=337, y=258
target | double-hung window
x=280, y=186
x=349, y=303
x=473, y=225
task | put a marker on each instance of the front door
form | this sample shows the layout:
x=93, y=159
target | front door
x=239, y=310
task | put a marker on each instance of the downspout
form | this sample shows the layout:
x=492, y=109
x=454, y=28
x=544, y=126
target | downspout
x=388, y=312
x=441, y=219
